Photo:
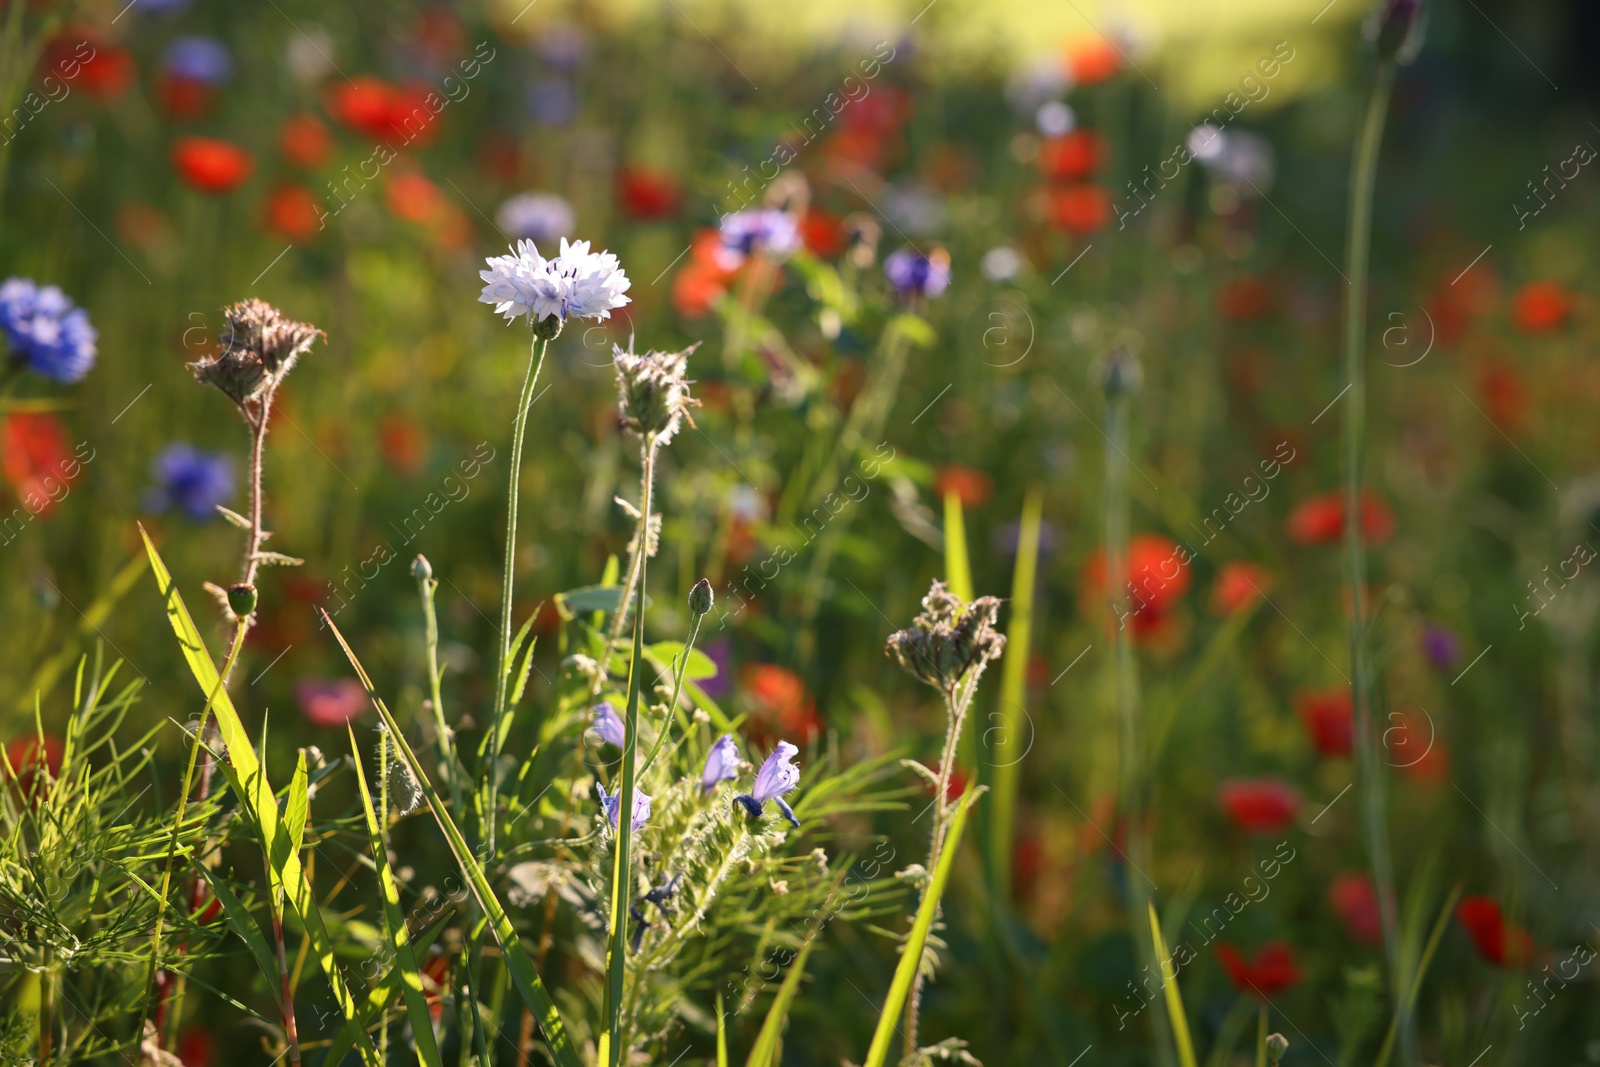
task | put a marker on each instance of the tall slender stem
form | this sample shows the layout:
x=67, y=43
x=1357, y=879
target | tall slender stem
x=536, y=354
x=1369, y=765
x=621, y=876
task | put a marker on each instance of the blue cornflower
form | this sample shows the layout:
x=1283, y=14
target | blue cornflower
x=190, y=481
x=576, y=283
x=47, y=333
x=607, y=725
x=641, y=805
x=915, y=274
x=763, y=229
x=722, y=763
x=777, y=776
x=200, y=59
x=552, y=102
x=538, y=217
x=163, y=7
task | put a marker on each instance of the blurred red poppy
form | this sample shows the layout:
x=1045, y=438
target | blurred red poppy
x=1329, y=719
x=1271, y=971
x=882, y=111
x=1502, y=943
x=27, y=757
x=1072, y=156
x=1027, y=861
x=862, y=147
x=1158, y=575
x=972, y=487
x=304, y=140
x=1541, y=307
x=1239, y=584
x=780, y=702
x=414, y=198
x=1078, y=209
x=956, y=786
x=400, y=440
x=196, y=1047
x=292, y=213
x=210, y=165
x=1094, y=60
x=398, y=115
x=1320, y=520
x=37, y=459
x=1259, y=805
x=1413, y=744
x=185, y=98
x=101, y=69
x=823, y=233
x=1504, y=396
x=1244, y=298
x=330, y=702
x=1353, y=898
x=647, y=194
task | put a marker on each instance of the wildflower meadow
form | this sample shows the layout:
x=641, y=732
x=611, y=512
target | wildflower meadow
x=605, y=532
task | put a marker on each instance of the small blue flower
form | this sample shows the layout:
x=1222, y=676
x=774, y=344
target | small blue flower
x=915, y=274
x=163, y=7
x=641, y=805
x=190, y=481
x=552, y=102
x=200, y=59
x=722, y=763
x=538, y=217
x=45, y=330
x=760, y=229
x=777, y=777
x=608, y=726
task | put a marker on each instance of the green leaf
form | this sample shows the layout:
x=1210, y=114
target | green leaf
x=701, y=666
x=379, y=997
x=297, y=808
x=1169, y=986
x=240, y=922
x=911, y=952
x=913, y=329
x=957, y=568
x=278, y=559
x=765, y=1051
x=1010, y=747
x=722, y=1033
x=405, y=962
x=593, y=598
x=234, y=517
x=248, y=779
x=523, y=972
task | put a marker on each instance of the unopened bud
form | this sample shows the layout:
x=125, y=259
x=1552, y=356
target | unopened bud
x=1120, y=373
x=700, y=597
x=1395, y=29
x=242, y=600
x=421, y=569
x=1277, y=1045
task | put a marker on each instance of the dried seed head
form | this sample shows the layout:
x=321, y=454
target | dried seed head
x=652, y=393
x=261, y=346
x=948, y=639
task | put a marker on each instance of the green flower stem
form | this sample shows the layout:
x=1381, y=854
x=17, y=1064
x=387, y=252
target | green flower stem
x=677, y=691
x=1132, y=785
x=536, y=354
x=1369, y=765
x=621, y=877
x=447, y=758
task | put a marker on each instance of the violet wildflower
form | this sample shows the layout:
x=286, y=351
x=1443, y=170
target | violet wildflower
x=914, y=274
x=190, y=481
x=760, y=229
x=722, y=763
x=607, y=725
x=576, y=283
x=47, y=333
x=641, y=805
x=537, y=217
x=552, y=102
x=199, y=59
x=777, y=777
x=1441, y=646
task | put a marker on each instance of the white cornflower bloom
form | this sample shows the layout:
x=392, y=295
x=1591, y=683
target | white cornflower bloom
x=576, y=282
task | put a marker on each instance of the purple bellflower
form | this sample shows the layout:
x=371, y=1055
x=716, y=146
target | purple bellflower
x=777, y=777
x=610, y=728
x=641, y=805
x=722, y=763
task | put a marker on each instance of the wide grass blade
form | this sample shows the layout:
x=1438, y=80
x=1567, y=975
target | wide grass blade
x=1008, y=751
x=1169, y=987
x=765, y=1051
x=248, y=779
x=722, y=1033
x=405, y=961
x=911, y=953
x=957, y=565
x=379, y=997
x=523, y=972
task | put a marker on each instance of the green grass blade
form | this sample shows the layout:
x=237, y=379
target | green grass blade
x=248, y=778
x=911, y=954
x=405, y=961
x=517, y=961
x=1169, y=987
x=1008, y=751
x=722, y=1033
x=765, y=1051
x=379, y=997
x=957, y=567
x=239, y=921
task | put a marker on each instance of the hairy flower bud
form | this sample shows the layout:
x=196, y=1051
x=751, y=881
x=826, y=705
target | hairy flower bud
x=652, y=393
x=1276, y=1045
x=260, y=347
x=1395, y=29
x=948, y=639
x=421, y=569
x=700, y=597
x=241, y=600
